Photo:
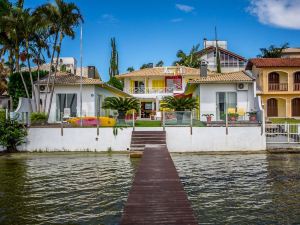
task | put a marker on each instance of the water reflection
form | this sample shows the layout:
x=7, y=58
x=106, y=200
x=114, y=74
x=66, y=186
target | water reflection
x=64, y=189
x=242, y=189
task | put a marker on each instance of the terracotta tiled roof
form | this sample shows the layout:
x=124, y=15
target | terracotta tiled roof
x=273, y=62
x=233, y=77
x=161, y=71
x=70, y=79
x=212, y=48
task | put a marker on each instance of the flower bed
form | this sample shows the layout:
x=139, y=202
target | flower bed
x=92, y=121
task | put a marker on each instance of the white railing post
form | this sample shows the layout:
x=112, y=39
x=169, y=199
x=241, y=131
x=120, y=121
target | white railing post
x=191, y=123
x=133, y=122
x=163, y=120
x=288, y=131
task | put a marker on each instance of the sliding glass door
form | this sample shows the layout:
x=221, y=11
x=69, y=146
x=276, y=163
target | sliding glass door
x=225, y=99
x=66, y=104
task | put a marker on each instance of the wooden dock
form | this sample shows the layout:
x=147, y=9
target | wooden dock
x=157, y=195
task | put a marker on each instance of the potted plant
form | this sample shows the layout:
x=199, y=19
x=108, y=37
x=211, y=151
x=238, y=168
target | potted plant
x=179, y=105
x=252, y=116
x=208, y=117
x=122, y=105
x=233, y=116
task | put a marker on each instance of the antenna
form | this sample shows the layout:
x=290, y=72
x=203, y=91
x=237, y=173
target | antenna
x=81, y=122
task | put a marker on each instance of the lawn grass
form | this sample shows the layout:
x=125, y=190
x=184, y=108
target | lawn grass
x=148, y=123
x=284, y=120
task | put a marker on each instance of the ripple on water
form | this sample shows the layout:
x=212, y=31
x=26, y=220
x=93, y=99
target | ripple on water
x=64, y=189
x=242, y=189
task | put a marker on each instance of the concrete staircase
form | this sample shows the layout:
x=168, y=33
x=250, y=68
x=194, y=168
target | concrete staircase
x=140, y=139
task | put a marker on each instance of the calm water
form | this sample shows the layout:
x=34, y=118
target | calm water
x=92, y=188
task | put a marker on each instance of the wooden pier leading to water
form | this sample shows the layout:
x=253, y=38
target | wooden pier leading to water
x=157, y=195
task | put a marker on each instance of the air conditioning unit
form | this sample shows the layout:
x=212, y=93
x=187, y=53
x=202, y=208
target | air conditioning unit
x=242, y=87
x=43, y=89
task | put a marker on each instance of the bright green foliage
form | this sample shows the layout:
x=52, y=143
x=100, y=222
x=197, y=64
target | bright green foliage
x=38, y=118
x=12, y=134
x=190, y=60
x=273, y=51
x=179, y=104
x=113, y=81
x=2, y=115
x=114, y=59
x=122, y=105
x=16, y=87
x=130, y=69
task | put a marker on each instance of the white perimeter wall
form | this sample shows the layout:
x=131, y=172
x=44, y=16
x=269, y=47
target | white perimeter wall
x=178, y=139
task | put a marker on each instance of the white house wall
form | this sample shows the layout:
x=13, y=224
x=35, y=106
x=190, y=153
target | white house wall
x=208, y=98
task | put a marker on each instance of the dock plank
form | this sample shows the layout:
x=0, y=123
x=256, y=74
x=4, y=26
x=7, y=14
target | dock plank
x=157, y=195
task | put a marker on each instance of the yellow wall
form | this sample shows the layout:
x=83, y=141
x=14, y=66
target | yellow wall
x=284, y=97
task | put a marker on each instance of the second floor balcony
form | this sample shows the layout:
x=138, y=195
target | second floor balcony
x=297, y=87
x=148, y=90
x=278, y=86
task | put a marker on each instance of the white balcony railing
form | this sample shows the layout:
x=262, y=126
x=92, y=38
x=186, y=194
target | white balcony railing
x=156, y=90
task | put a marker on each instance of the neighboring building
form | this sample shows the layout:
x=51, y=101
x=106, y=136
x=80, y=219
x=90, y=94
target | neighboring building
x=66, y=99
x=230, y=62
x=150, y=85
x=69, y=65
x=290, y=53
x=221, y=92
x=278, y=84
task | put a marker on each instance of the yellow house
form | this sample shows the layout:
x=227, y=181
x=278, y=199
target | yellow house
x=278, y=84
x=150, y=85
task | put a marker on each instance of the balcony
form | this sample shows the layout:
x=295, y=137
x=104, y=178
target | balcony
x=156, y=90
x=278, y=87
x=297, y=87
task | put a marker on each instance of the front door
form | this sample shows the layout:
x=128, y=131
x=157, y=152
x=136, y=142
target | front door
x=272, y=107
x=296, y=107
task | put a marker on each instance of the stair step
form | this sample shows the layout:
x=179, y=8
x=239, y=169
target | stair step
x=148, y=142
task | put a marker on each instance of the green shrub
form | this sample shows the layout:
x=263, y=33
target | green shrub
x=2, y=114
x=38, y=118
x=12, y=134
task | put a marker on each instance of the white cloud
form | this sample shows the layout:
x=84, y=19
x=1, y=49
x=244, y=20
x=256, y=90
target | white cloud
x=176, y=20
x=184, y=8
x=109, y=18
x=280, y=13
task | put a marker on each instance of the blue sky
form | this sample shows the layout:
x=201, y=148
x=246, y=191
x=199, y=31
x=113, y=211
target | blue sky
x=153, y=30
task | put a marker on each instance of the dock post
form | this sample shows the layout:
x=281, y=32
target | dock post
x=191, y=125
x=97, y=124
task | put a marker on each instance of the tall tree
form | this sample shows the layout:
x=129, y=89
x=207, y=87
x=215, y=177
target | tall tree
x=146, y=65
x=159, y=63
x=62, y=17
x=218, y=60
x=130, y=69
x=192, y=59
x=272, y=51
x=114, y=59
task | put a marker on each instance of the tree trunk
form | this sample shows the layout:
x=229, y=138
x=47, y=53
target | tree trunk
x=49, y=74
x=31, y=80
x=38, y=87
x=55, y=72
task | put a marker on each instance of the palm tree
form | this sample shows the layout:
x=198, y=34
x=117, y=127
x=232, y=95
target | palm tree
x=160, y=64
x=179, y=105
x=190, y=60
x=130, y=69
x=63, y=18
x=272, y=51
x=122, y=105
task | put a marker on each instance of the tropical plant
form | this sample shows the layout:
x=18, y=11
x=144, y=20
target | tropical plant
x=12, y=134
x=16, y=87
x=130, y=69
x=3, y=78
x=114, y=59
x=272, y=51
x=160, y=64
x=38, y=118
x=192, y=59
x=62, y=18
x=146, y=65
x=115, y=83
x=122, y=105
x=179, y=103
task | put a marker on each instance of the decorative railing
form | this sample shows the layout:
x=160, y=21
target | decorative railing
x=156, y=90
x=278, y=87
x=297, y=87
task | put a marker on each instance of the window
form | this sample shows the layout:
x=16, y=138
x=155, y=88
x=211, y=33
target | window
x=66, y=103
